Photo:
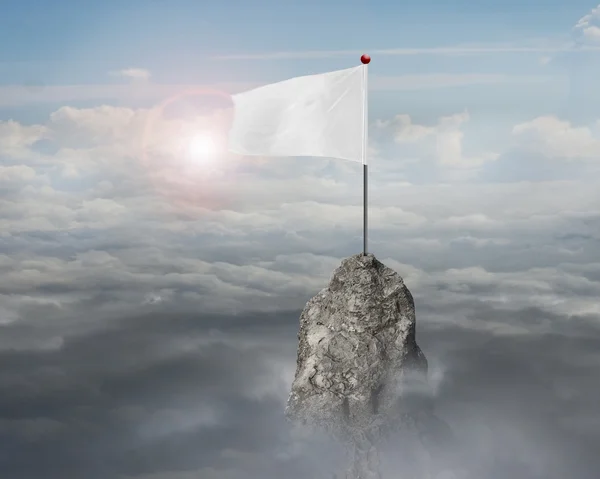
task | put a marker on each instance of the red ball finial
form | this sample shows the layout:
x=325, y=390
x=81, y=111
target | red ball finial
x=365, y=59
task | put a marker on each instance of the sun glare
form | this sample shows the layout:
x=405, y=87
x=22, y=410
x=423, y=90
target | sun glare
x=202, y=148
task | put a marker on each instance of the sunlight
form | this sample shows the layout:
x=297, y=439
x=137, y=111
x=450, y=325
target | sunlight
x=203, y=148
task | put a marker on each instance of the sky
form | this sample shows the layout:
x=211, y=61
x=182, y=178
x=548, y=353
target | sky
x=149, y=297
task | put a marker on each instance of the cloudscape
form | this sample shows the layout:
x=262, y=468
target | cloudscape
x=151, y=283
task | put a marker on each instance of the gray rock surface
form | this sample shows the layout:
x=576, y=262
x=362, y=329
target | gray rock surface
x=358, y=360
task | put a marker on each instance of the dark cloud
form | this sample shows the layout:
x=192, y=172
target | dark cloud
x=155, y=395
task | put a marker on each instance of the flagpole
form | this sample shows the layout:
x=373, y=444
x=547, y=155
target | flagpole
x=365, y=59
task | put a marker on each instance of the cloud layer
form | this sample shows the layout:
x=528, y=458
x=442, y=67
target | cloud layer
x=149, y=300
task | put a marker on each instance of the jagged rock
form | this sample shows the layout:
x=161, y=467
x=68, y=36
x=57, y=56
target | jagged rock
x=357, y=351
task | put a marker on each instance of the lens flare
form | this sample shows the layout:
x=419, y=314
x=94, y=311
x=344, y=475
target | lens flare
x=202, y=148
x=181, y=168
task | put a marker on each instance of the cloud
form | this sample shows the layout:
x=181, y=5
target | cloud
x=149, y=303
x=447, y=136
x=177, y=396
x=556, y=138
x=149, y=307
x=405, y=129
x=133, y=74
x=15, y=139
x=19, y=95
x=450, y=144
x=272, y=212
x=588, y=26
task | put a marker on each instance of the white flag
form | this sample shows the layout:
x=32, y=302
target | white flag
x=317, y=115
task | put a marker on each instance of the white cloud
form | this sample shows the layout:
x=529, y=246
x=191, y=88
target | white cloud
x=18, y=173
x=447, y=136
x=277, y=231
x=16, y=138
x=450, y=144
x=18, y=95
x=557, y=138
x=593, y=32
x=405, y=130
x=588, y=26
x=133, y=74
x=99, y=125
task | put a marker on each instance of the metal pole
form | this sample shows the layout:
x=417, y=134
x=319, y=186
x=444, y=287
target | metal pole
x=365, y=210
x=364, y=157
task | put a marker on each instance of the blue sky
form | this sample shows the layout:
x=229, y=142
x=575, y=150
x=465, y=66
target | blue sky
x=180, y=42
x=149, y=297
x=139, y=30
x=78, y=41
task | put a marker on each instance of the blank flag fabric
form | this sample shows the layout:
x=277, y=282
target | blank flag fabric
x=316, y=115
